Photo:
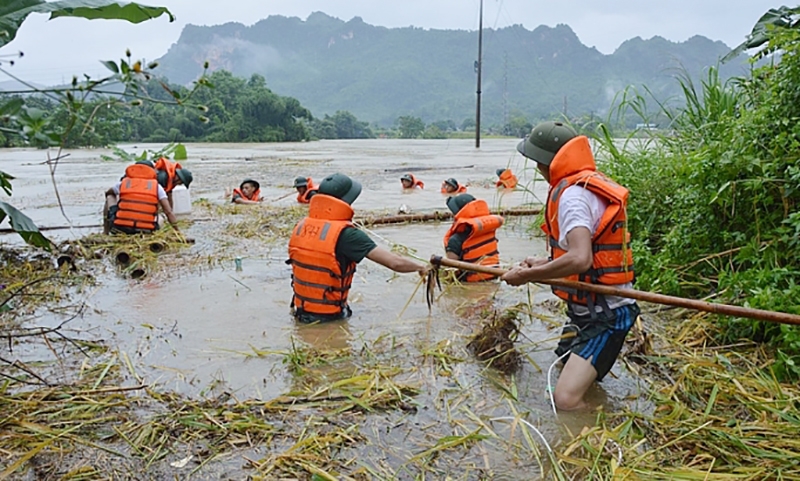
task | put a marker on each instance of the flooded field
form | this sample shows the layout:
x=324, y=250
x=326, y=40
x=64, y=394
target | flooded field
x=197, y=328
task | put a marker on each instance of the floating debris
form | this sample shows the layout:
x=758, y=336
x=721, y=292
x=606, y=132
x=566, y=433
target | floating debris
x=494, y=343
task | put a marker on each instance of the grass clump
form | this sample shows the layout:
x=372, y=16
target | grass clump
x=494, y=343
x=718, y=415
x=714, y=198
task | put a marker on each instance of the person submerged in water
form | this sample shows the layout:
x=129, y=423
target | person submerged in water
x=506, y=179
x=472, y=237
x=452, y=187
x=132, y=204
x=411, y=182
x=249, y=192
x=305, y=189
x=325, y=248
x=170, y=175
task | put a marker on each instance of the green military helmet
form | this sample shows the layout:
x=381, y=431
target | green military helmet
x=162, y=177
x=148, y=163
x=499, y=172
x=300, y=182
x=185, y=176
x=340, y=186
x=545, y=140
x=455, y=204
x=255, y=183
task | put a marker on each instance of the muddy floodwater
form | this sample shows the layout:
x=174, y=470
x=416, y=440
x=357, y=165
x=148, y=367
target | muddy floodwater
x=200, y=327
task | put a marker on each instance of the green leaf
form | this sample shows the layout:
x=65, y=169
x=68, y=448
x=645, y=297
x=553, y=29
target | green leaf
x=180, y=152
x=24, y=226
x=111, y=65
x=5, y=182
x=14, y=12
x=11, y=107
x=783, y=17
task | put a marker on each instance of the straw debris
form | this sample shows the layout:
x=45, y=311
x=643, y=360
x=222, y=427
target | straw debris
x=719, y=414
x=494, y=343
x=136, y=255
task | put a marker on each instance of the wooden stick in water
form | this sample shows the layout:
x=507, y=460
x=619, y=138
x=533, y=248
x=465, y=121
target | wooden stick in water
x=725, y=309
x=437, y=215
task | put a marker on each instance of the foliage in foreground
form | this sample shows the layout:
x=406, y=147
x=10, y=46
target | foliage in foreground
x=718, y=415
x=715, y=202
x=21, y=118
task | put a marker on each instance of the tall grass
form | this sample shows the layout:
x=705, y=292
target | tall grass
x=715, y=196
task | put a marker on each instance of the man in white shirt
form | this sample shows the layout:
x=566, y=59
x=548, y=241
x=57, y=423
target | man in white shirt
x=587, y=232
x=150, y=222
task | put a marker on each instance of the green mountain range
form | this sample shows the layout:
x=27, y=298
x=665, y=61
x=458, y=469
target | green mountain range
x=381, y=73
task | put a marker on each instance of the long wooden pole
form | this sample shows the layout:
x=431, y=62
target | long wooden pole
x=95, y=226
x=437, y=215
x=56, y=227
x=391, y=219
x=725, y=309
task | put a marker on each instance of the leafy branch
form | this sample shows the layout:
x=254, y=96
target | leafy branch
x=78, y=104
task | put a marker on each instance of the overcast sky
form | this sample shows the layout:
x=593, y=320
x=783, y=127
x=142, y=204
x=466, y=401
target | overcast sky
x=55, y=50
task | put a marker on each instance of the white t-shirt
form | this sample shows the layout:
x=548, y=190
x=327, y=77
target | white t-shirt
x=580, y=207
x=162, y=194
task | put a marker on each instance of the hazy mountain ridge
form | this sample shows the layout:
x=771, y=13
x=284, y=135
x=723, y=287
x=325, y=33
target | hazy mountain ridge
x=380, y=73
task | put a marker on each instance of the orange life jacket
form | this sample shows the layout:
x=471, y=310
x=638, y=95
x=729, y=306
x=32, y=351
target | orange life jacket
x=138, y=199
x=319, y=282
x=507, y=180
x=611, y=244
x=255, y=196
x=415, y=182
x=304, y=197
x=460, y=190
x=480, y=247
x=169, y=167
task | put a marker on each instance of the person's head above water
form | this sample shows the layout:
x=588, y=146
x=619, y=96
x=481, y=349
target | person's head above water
x=451, y=184
x=301, y=184
x=248, y=186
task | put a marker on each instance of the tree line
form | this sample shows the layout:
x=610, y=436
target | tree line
x=234, y=109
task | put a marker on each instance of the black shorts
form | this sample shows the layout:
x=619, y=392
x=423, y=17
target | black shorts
x=600, y=339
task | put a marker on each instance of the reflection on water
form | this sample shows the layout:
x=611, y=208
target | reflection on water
x=330, y=336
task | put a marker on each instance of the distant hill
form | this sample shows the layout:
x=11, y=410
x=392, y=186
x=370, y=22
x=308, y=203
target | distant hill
x=13, y=85
x=381, y=73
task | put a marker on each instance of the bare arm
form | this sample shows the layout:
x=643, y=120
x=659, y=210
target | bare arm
x=577, y=259
x=452, y=255
x=242, y=200
x=396, y=262
x=165, y=205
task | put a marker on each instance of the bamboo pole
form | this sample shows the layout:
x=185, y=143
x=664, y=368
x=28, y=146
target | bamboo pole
x=420, y=169
x=57, y=227
x=392, y=219
x=276, y=199
x=724, y=309
x=437, y=215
